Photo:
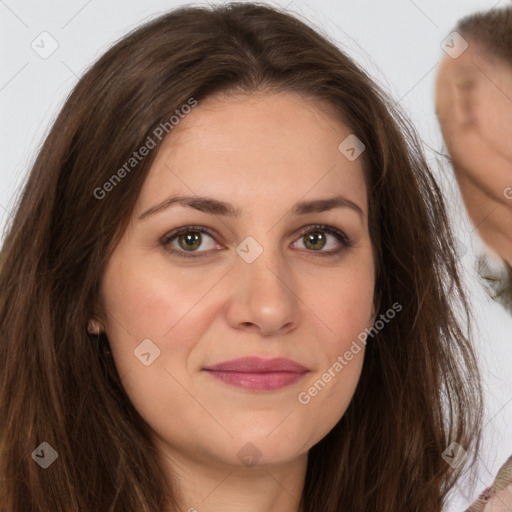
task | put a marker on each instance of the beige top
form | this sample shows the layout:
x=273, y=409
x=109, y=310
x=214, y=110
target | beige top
x=498, y=497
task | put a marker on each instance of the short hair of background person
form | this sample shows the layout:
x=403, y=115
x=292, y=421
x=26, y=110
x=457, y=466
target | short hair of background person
x=419, y=389
x=491, y=29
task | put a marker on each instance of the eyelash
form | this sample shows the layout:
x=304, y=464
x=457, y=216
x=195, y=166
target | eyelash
x=339, y=235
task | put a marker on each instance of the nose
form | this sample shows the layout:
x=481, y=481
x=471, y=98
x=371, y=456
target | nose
x=264, y=296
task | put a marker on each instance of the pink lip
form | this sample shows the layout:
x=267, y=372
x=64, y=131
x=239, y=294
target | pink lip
x=257, y=373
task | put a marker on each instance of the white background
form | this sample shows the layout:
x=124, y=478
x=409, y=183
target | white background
x=396, y=41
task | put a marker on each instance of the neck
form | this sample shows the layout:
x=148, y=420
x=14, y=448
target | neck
x=205, y=485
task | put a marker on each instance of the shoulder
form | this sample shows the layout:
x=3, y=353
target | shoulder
x=498, y=497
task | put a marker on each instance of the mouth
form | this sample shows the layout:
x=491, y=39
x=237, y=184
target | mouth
x=258, y=374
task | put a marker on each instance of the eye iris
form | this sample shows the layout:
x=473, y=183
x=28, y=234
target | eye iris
x=192, y=240
x=314, y=238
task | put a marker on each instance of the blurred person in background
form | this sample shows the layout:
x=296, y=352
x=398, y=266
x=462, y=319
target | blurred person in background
x=474, y=109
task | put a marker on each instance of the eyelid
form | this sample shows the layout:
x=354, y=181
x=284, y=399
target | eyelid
x=167, y=238
x=341, y=237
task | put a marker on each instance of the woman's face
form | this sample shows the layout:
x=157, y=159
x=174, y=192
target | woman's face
x=264, y=283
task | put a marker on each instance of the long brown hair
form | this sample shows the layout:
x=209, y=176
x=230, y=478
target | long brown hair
x=419, y=390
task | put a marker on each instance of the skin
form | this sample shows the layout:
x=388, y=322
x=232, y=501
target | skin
x=474, y=108
x=263, y=153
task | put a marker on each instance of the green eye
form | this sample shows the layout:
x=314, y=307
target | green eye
x=315, y=240
x=190, y=241
x=185, y=241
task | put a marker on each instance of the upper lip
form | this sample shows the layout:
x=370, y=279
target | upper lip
x=258, y=365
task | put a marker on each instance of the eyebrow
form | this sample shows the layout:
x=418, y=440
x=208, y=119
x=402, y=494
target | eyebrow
x=216, y=207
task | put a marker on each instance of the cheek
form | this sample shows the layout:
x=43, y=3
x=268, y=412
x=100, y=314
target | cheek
x=140, y=308
x=345, y=307
x=151, y=312
x=173, y=310
x=148, y=302
x=345, y=317
x=325, y=396
x=493, y=111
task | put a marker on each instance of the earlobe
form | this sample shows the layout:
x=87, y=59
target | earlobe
x=94, y=327
x=373, y=314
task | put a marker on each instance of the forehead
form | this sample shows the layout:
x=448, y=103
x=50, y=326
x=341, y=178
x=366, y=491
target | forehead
x=473, y=62
x=279, y=145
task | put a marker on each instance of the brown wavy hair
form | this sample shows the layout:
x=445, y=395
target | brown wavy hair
x=419, y=389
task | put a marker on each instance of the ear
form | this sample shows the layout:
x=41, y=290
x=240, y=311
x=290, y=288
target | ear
x=455, y=91
x=464, y=99
x=96, y=316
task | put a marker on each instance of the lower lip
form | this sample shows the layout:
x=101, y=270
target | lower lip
x=257, y=381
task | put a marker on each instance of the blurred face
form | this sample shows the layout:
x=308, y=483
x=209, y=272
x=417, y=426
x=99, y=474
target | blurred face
x=474, y=110
x=245, y=273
